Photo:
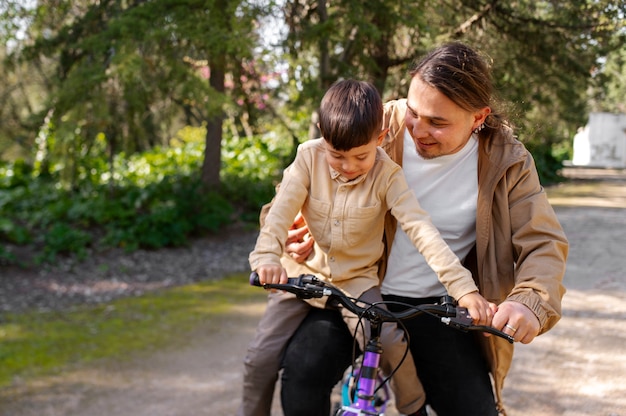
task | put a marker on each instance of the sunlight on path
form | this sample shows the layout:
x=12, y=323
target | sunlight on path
x=579, y=367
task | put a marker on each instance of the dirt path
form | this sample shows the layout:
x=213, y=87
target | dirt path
x=578, y=368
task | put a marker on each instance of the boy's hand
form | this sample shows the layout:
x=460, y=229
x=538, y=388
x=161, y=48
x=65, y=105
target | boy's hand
x=271, y=273
x=479, y=308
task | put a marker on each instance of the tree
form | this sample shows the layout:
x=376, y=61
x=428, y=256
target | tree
x=609, y=88
x=351, y=38
x=544, y=52
x=135, y=71
x=22, y=86
x=122, y=75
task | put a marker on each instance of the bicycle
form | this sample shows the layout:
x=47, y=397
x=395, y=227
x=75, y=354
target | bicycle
x=360, y=391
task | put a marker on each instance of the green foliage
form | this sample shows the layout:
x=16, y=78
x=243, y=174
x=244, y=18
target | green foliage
x=12, y=232
x=543, y=53
x=546, y=162
x=250, y=168
x=38, y=343
x=131, y=72
x=150, y=200
x=609, y=87
x=165, y=213
x=92, y=92
x=62, y=238
x=6, y=257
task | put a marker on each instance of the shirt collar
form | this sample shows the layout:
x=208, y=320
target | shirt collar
x=340, y=178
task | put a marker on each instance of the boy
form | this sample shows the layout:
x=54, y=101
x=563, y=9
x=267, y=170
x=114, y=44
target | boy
x=344, y=184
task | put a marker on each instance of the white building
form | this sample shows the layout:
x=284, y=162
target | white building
x=602, y=142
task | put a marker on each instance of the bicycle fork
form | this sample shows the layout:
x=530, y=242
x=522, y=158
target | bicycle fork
x=364, y=402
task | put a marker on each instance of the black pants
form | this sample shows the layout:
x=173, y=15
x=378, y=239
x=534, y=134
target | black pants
x=315, y=359
x=449, y=364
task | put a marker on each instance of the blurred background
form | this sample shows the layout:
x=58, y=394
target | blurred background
x=143, y=124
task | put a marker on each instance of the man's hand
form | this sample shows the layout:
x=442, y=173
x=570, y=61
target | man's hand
x=517, y=320
x=299, y=243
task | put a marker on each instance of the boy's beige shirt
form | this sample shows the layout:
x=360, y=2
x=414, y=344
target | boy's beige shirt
x=346, y=220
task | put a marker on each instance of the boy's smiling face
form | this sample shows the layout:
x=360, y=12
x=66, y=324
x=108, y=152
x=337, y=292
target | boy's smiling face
x=354, y=162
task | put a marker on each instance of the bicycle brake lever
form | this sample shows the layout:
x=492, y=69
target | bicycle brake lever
x=463, y=321
x=303, y=290
x=311, y=291
x=311, y=287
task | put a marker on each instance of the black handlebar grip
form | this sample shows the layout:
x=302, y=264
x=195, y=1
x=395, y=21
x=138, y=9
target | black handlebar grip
x=254, y=279
x=293, y=281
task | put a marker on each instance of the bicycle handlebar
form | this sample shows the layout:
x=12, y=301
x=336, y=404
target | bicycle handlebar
x=307, y=286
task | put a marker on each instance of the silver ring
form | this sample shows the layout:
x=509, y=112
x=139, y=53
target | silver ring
x=510, y=327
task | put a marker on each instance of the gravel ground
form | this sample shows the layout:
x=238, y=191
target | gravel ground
x=114, y=273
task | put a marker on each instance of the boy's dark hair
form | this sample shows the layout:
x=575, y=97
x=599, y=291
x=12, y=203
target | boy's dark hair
x=350, y=114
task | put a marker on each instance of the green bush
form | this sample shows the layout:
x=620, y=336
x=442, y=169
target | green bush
x=546, y=162
x=251, y=168
x=63, y=239
x=150, y=200
x=12, y=232
x=163, y=214
x=6, y=257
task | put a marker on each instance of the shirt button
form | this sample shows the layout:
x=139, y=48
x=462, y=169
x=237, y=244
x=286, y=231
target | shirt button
x=337, y=222
x=331, y=258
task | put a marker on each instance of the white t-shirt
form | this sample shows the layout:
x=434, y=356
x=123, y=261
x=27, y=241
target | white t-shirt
x=447, y=188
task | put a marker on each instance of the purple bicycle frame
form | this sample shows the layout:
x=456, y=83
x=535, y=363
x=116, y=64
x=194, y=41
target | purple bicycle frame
x=367, y=378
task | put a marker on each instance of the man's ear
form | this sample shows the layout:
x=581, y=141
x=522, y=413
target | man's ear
x=480, y=116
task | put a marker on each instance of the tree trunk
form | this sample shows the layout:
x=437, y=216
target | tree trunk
x=213, y=142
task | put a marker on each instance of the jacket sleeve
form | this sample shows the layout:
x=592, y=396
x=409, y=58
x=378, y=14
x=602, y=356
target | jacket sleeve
x=540, y=246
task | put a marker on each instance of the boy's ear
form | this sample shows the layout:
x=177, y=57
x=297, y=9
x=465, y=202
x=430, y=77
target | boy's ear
x=381, y=136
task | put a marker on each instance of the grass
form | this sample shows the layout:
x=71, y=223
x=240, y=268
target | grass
x=40, y=343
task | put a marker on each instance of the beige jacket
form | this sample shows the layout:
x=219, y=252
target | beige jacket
x=346, y=220
x=520, y=250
